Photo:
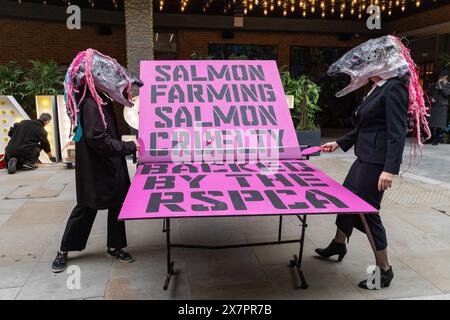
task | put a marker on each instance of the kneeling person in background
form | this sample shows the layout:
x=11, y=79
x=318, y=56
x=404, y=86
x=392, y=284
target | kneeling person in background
x=28, y=139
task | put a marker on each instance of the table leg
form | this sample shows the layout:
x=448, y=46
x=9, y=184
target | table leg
x=170, y=263
x=280, y=228
x=297, y=261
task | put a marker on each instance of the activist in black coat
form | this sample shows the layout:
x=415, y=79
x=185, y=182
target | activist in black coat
x=102, y=179
x=101, y=171
x=439, y=108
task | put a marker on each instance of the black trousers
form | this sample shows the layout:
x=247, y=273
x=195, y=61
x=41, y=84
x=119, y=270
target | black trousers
x=362, y=180
x=80, y=224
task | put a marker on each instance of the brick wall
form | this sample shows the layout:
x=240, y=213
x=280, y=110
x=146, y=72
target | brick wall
x=22, y=40
x=198, y=40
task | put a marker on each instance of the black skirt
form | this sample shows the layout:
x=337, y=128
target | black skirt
x=362, y=180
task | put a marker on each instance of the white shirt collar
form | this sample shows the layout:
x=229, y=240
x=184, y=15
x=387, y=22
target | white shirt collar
x=379, y=84
x=382, y=82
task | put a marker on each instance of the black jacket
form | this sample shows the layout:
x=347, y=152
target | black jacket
x=102, y=179
x=380, y=126
x=439, y=109
x=26, y=137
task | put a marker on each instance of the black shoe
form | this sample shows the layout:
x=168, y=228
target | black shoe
x=119, y=254
x=12, y=165
x=333, y=249
x=29, y=166
x=60, y=262
x=385, y=280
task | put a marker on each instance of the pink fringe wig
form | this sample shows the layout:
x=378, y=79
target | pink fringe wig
x=417, y=110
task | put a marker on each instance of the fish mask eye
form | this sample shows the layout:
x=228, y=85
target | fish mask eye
x=356, y=60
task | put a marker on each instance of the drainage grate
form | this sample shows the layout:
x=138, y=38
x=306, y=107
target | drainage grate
x=36, y=191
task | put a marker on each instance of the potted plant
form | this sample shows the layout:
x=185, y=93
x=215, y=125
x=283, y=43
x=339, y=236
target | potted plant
x=306, y=95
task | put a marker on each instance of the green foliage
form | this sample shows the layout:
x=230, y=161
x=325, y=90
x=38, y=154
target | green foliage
x=44, y=78
x=24, y=84
x=306, y=96
x=235, y=56
x=198, y=56
x=11, y=80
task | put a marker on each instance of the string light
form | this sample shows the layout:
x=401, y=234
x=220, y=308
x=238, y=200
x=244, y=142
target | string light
x=322, y=8
x=356, y=8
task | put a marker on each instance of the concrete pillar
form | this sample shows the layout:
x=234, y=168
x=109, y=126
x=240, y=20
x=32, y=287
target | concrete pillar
x=139, y=32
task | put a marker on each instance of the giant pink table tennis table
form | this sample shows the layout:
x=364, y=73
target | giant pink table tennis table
x=256, y=185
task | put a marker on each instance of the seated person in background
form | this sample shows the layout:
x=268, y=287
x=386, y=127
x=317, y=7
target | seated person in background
x=28, y=138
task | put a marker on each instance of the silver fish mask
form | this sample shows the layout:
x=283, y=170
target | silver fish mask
x=376, y=57
x=110, y=78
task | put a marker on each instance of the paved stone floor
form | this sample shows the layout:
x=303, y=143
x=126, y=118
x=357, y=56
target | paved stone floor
x=35, y=205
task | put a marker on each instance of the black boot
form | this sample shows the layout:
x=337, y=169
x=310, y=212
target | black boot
x=385, y=280
x=12, y=165
x=333, y=249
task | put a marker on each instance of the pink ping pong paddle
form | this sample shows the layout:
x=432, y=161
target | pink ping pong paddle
x=310, y=151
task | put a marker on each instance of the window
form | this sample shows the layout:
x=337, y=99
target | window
x=426, y=71
x=165, y=46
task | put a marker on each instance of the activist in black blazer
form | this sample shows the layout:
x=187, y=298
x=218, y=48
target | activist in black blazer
x=379, y=139
x=380, y=126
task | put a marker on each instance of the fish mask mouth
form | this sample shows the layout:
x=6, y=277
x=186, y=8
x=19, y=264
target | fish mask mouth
x=347, y=81
x=127, y=99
